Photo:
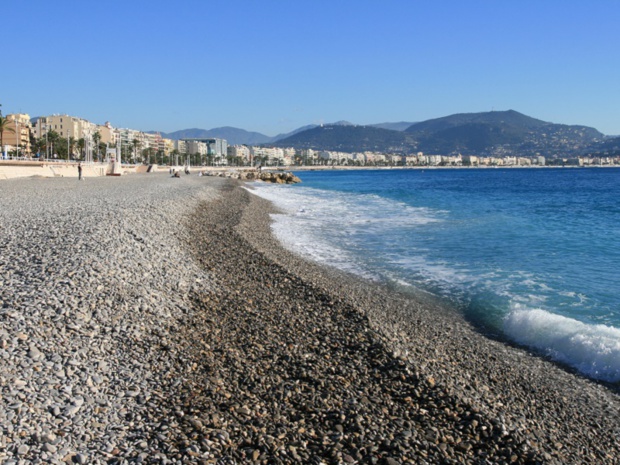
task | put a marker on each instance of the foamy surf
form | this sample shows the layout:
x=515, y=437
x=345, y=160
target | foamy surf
x=475, y=240
x=594, y=350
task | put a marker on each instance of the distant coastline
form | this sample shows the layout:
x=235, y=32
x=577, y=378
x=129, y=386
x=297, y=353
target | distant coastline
x=351, y=168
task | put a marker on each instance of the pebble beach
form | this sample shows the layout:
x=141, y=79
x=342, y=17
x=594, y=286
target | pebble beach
x=149, y=319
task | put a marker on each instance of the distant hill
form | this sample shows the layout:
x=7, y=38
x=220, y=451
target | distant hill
x=509, y=118
x=345, y=138
x=609, y=147
x=305, y=128
x=289, y=134
x=499, y=133
x=234, y=136
x=237, y=136
x=401, y=126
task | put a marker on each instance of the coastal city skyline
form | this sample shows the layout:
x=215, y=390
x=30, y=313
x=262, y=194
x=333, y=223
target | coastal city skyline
x=274, y=67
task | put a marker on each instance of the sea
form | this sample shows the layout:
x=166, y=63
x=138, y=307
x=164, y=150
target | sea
x=528, y=255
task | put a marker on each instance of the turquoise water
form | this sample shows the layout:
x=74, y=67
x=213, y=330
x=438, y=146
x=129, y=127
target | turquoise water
x=531, y=254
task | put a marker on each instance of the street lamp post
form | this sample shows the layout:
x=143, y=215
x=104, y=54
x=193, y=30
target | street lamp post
x=68, y=153
x=87, y=146
x=47, y=144
x=18, y=137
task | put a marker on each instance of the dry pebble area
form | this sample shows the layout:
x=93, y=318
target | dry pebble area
x=146, y=319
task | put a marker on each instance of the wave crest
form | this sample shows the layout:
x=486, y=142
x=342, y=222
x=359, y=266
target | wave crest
x=592, y=349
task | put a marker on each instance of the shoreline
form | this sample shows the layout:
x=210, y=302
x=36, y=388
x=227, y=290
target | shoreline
x=545, y=414
x=158, y=320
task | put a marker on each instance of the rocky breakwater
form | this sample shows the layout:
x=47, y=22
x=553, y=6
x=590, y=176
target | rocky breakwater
x=276, y=177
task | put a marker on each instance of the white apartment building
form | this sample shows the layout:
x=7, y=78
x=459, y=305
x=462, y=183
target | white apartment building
x=180, y=146
x=289, y=154
x=240, y=151
x=196, y=146
x=272, y=154
x=309, y=154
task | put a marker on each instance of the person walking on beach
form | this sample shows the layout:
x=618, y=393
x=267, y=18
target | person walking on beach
x=79, y=171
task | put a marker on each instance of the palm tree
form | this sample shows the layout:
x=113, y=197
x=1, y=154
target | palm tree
x=4, y=126
x=96, y=140
x=173, y=156
x=136, y=144
x=81, y=143
x=71, y=146
x=54, y=139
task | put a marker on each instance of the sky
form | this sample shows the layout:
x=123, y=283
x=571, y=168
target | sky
x=272, y=66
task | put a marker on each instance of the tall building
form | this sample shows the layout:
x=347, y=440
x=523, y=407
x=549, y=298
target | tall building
x=64, y=125
x=239, y=151
x=180, y=146
x=215, y=147
x=194, y=146
x=107, y=133
x=18, y=133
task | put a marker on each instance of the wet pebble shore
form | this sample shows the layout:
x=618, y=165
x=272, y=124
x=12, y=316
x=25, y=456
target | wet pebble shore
x=324, y=368
x=146, y=319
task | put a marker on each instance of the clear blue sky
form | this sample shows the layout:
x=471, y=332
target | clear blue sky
x=274, y=65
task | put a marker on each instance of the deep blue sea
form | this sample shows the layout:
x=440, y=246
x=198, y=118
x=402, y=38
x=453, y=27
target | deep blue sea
x=532, y=255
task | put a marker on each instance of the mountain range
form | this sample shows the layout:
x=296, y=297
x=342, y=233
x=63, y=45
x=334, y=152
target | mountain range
x=497, y=133
x=237, y=136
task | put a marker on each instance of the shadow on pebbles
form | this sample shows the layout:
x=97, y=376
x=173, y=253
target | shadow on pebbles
x=282, y=367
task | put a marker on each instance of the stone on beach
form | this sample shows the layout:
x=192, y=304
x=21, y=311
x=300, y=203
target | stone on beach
x=276, y=177
x=151, y=320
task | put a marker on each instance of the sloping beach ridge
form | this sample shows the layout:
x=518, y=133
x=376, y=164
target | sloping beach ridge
x=155, y=320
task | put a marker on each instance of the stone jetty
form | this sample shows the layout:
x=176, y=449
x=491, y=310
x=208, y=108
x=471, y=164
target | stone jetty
x=276, y=177
x=145, y=319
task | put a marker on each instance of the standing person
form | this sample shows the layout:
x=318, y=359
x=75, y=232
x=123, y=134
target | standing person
x=79, y=171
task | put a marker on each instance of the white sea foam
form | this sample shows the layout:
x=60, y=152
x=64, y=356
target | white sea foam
x=325, y=226
x=594, y=350
x=363, y=234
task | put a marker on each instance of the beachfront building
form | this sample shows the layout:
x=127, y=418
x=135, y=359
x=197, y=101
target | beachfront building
x=470, y=160
x=240, y=152
x=64, y=125
x=154, y=143
x=214, y=148
x=397, y=159
x=217, y=147
x=267, y=155
x=107, y=133
x=411, y=160
x=180, y=146
x=132, y=142
x=168, y=146
x=289, y=155
x=374, y=158
x=193, y=146
x=17, y=135
x=336, y=158
x=308, y=156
